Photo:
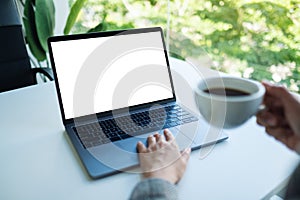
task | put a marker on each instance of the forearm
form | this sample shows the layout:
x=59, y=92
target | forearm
x=154, y=189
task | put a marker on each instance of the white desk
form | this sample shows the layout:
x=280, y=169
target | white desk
x=39, y=162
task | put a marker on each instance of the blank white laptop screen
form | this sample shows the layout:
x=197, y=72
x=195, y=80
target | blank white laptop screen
x=105, y=59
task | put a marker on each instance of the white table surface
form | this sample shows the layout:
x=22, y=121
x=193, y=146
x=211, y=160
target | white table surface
x=39, y=162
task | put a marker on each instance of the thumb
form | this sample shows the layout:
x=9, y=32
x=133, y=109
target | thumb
x=185, y=155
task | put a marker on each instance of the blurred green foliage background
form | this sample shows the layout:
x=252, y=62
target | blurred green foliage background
x=248, y=38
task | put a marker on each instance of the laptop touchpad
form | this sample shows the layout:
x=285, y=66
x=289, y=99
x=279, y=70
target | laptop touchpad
x=182, y=141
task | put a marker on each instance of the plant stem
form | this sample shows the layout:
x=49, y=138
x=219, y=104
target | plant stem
x=39, y=63
x=41, y=75
x=47, y=63
x=33, y=62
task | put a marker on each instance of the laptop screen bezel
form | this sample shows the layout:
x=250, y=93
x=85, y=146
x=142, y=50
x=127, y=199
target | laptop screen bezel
x=107, y=34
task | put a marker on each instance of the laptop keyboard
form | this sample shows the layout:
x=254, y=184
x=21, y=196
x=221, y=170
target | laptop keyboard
x=123, y=127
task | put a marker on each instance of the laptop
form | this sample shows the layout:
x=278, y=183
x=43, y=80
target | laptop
x=114, y=89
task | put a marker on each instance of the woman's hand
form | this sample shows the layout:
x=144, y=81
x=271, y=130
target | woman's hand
x=162, y=158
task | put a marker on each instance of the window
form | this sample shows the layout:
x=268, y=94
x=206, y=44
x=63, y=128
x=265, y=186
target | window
x=252, y=39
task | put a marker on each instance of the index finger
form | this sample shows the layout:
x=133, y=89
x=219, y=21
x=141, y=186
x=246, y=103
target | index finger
x=272, y=102
x=276, y=91
x=141, y=147
x=168, y=135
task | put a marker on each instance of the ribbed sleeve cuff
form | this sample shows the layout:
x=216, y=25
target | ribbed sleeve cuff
x=154, y=189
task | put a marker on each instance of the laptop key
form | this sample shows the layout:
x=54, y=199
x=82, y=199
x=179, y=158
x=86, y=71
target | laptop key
x=104, y=141
x=106, y=131
x=166, y=126
x=88, y=145
x=113, y=139
x=187, y=120
x=172, y=124
x=98, y=142
x=125, y=136
x=110, y=135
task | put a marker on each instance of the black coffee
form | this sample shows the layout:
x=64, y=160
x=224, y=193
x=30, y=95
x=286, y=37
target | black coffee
x=226, y=91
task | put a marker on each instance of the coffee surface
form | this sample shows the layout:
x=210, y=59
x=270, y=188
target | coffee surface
x=226, y=91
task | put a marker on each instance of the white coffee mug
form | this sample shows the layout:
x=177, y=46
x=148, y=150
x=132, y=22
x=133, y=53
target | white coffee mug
x=228, y=102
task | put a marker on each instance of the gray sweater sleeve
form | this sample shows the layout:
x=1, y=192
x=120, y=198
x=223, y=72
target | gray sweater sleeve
x=293, y=189
x=154, y=189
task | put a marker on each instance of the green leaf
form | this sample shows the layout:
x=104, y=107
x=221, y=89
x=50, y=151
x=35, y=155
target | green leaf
x=73, y=15
x=153, y=2
x=45, y=20
x=274, y=14
x=98, y=28
x=31, y=32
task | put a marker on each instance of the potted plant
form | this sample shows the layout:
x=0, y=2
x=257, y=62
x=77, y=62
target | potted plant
x=39, y=22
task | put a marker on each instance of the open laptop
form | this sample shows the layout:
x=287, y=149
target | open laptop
x=114, y=89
